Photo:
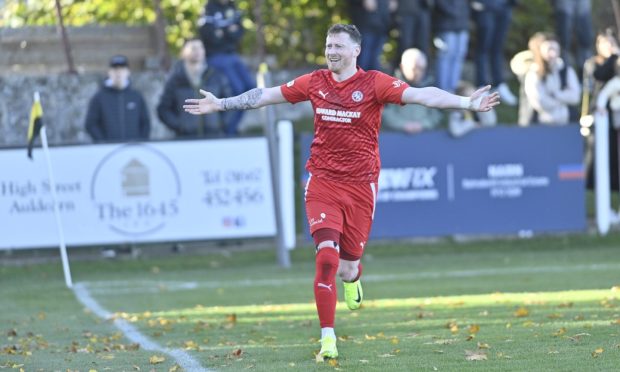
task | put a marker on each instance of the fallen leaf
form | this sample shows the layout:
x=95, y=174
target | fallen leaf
x=559, y=332
x=236, y=353
x=452, y=326
x=333, y=362
x=11, y=333
x=482, y=345
x=370, y=338
x=475, y=355
x=394, y=340
x=521, y=312
x=175, y=368
x=156, y=359
x=597, y=352
x=231, y=318
x=473, y=329
x=555, y=316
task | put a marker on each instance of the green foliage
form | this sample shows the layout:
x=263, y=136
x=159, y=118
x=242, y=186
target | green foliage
x=294, y=29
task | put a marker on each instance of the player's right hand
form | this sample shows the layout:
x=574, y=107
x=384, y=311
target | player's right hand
x=206, y=105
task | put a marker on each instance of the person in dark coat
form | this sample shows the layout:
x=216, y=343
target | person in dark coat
x=220, y=31
x=414, y=25
x=117, y=112
x=373, y=18
x=188, y=75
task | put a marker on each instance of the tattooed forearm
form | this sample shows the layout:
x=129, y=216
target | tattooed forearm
x=244, y=101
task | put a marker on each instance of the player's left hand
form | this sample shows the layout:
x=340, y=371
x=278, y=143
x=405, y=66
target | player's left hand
x=206, y=105
x=481, y=100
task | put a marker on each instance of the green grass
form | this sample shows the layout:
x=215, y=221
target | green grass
x=549, y=303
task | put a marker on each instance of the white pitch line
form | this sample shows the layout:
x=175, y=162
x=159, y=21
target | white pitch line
x=183, y=359
x=123, y=287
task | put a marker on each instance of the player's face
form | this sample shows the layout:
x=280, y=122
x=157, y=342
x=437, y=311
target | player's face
x=340, y=52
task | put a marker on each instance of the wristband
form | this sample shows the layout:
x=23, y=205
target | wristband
x=465, y=103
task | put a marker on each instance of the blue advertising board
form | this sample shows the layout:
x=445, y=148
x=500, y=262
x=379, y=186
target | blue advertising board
x=501, y=180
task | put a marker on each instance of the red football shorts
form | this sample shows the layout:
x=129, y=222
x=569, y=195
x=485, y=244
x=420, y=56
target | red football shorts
x=346, y=207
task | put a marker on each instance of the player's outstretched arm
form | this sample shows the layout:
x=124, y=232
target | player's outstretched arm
x=254, y=98
x=480, y=100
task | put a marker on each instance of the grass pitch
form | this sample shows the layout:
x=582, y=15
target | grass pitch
x=505, y=305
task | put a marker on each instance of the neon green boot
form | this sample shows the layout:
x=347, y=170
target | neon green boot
x=353, y=294
x=328, y=348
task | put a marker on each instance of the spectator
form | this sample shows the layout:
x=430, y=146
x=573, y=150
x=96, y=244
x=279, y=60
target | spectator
x=603, y=68
x=412, y=118
x=221, y=31
x=188, y=75
x=373, y=18
x=460, y=122
x=414, y=25
x=520, y=64
x=451, y=26
x=492, y=18
x=548, y=90
x=117, y=112
x=574, y=18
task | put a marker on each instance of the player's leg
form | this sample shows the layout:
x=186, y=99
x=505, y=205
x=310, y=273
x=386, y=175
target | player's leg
x=358, y=218
x=325, y=290
x=325, y=220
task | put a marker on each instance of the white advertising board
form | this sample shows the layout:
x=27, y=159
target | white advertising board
x=138, y=192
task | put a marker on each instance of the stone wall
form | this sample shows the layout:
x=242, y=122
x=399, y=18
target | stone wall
x=65, y=101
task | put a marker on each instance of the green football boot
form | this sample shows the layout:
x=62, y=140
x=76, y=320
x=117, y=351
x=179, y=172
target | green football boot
x=353, y=294
x=328, y=348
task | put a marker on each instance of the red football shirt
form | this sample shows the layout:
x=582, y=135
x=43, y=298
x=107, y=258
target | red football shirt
x=347, y=119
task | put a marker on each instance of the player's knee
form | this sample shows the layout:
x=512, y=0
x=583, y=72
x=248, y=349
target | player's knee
x=347, y=272
x=323, y=237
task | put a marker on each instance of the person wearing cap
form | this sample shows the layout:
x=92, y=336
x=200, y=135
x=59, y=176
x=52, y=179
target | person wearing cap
x=117, y=112
x=187, y=76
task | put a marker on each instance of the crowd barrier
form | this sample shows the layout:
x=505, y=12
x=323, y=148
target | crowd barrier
x=500, y=180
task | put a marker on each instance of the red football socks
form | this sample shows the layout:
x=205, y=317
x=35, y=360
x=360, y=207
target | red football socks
x=325, y=293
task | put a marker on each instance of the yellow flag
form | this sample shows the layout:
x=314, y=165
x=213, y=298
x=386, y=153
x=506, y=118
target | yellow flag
x=36, y=122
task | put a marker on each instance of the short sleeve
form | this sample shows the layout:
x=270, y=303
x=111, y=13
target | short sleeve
x=296, y=90
x=389, y=89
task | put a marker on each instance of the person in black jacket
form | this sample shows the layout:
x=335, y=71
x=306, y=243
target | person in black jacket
x=187, y=77
x=117, y=112
x=414, y=25
x=373, y=18
x=221, y=31
x=451, y=27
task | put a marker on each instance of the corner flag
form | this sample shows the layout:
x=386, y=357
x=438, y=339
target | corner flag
x=36, y=122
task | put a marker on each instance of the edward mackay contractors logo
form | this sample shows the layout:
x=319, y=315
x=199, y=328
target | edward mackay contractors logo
x=135, y=190
x=357, y=96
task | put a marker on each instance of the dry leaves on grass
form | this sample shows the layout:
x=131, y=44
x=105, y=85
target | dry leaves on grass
x=475, y=355
x=156, y=359
x=522, y=312
x=452, y=326
x=473, y=329
x=596, y=353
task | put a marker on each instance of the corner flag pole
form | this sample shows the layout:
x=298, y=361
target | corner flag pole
x=61, y=235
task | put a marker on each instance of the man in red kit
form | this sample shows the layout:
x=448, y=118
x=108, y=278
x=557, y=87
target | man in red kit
x=344, y=159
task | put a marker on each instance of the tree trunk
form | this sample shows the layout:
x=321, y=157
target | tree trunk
x=163, y=55
x=60, y=27
x=260, y=31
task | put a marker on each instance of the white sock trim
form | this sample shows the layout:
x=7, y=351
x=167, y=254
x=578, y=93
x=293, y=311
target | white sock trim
x=328, y=332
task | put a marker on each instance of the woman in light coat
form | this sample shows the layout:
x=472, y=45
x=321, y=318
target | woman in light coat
x=550, y=86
